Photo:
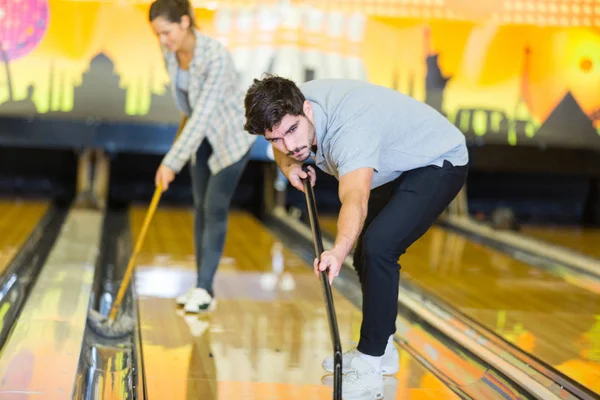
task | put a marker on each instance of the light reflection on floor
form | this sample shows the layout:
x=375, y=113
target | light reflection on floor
x=269, y=334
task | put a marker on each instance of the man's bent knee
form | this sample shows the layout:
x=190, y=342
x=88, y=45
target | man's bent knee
x=381, y=250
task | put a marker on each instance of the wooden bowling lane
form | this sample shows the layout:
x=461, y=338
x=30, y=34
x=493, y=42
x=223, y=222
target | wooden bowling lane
x=583, y=240
x=269, y=334
x=18, y=219
x=535, y=310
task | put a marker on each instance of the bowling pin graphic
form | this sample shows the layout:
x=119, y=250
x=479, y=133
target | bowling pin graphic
x=312, y=28
x=263, y=44
x=288, y=59
x=355, y=67
x=333, y=60
x=225, y=32
x=223, y=25
x=244, y=28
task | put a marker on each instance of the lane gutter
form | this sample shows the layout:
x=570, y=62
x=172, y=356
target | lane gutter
x=112, y=367
x=20, y=275
x=532, y=251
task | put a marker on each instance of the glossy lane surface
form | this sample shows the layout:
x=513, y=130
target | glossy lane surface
x=17, y=220
x=539, y=312
x=42, y=352
x=269, y=333
x=584, y=240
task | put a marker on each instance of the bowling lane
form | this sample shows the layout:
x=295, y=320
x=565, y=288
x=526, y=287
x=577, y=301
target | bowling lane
x=269, y=333
x=17, y=221
x=537, y=311
x=583, y=240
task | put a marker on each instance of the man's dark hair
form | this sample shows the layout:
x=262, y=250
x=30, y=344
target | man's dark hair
x=268, y=101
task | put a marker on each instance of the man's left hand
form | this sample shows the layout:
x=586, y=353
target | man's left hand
x=331, y=260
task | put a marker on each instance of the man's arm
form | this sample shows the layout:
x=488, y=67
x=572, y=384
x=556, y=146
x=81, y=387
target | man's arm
x=354, y=190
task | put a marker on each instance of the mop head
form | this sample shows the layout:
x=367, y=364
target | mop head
x=118, y=328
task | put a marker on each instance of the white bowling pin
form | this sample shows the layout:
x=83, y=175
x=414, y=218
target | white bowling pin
x=333, y=66
x=288, y=60
x=355, y=68
x=312, y=26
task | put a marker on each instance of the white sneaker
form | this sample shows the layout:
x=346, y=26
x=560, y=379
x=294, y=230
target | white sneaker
x=199, y=301
x=390, y=385
x=390, y=362
x=183, y=298
x=362, y=381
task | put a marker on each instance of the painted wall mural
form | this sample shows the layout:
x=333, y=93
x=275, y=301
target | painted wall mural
x=504, y=71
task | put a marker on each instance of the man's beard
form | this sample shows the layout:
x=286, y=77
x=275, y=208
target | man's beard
x=292, y=154
x=309, y=147
x=306, y=157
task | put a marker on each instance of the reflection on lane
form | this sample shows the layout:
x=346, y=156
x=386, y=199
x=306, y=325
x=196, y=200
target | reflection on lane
x=537, y=311
x=18, y=219
x=584, y=240
x=270, y=332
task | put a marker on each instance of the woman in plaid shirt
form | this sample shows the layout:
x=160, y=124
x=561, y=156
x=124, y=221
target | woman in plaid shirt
x=204, y=84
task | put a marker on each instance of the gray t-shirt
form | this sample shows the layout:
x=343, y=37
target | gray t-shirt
x=359, y=124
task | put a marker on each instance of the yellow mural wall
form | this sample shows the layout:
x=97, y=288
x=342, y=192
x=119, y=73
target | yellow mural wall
x=492, y=67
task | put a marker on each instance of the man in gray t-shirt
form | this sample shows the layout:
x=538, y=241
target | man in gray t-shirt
x=399, y=163
x=361, y=125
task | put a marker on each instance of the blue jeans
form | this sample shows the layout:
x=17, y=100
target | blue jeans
x=212, y=197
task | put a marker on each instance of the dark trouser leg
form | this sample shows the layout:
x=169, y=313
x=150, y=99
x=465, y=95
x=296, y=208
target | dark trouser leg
x=214, y=210
x=416, y=201
x=378, y=198
x=200, y=174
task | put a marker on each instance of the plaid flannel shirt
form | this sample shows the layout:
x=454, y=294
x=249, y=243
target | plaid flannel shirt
x=217, y=104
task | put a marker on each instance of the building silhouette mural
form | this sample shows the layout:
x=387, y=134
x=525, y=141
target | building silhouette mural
x=25, y=107
x=322, y=44
x=568, y=121
x=99, y=94
x=435, y=81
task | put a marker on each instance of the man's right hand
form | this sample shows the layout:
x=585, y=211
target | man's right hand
x=295, y=174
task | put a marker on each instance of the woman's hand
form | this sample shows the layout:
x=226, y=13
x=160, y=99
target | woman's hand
x=164, y=176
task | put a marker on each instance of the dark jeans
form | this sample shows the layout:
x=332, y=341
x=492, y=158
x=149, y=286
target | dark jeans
x=212, y=197
x=399, y=213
